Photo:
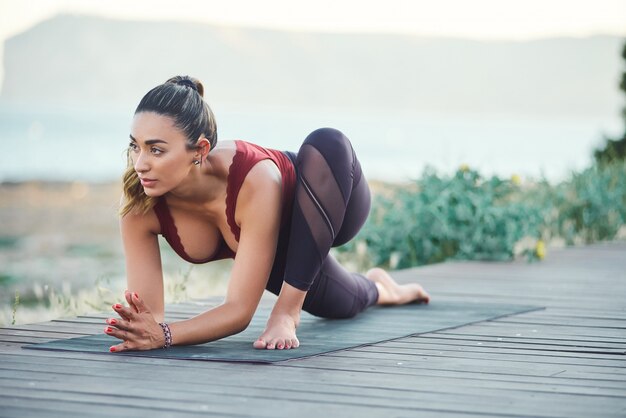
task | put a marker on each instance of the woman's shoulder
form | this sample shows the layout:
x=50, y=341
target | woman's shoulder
x=221, y=157
x=234, y=156
x=138, y=221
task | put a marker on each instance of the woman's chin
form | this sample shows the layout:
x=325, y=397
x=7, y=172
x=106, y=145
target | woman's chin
x=152, y=192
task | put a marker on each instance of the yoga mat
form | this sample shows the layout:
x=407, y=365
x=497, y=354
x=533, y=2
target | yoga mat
x=317, y=336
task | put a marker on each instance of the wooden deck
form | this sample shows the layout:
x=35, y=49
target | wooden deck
x=565, y=361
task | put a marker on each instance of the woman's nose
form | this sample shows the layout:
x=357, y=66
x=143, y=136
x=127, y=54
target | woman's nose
x=141, y=164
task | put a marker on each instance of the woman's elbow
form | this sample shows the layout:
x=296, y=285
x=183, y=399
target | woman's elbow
x=242, y=319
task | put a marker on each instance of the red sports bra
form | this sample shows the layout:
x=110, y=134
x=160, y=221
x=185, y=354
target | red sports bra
x=246, y=156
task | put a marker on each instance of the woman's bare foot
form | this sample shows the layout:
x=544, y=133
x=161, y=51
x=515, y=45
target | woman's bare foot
x=280, y=333
x=392, y=293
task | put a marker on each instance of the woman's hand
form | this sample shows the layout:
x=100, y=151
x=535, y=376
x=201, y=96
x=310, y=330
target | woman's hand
x=136, y=327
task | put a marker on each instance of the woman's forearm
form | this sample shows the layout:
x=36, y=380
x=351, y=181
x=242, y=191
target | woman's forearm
x=231, y=318
x=217, y=323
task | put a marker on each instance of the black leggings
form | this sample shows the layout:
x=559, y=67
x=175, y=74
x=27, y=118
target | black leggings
x=331, y=204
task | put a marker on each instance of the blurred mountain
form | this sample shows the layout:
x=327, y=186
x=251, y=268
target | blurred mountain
x=83, y=59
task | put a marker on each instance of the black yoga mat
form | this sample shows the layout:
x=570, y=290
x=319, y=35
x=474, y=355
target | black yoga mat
x=317, y=336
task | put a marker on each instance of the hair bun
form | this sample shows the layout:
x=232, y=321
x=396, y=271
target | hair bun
x=187, y=81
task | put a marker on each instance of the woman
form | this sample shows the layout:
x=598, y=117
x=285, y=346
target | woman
x=276, y=213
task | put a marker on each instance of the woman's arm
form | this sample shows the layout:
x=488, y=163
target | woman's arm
x=258, y=214
x=144, y=274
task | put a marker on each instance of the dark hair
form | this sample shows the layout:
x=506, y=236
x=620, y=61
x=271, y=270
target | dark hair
x=180, y=98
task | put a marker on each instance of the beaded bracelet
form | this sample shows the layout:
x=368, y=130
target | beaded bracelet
x=167, y=333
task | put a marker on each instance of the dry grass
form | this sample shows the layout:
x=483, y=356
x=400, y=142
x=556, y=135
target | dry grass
x=60, y=250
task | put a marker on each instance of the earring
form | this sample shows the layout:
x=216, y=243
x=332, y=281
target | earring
x=196, y=162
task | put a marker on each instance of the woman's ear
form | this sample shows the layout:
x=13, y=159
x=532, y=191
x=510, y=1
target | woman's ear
x=203, y=147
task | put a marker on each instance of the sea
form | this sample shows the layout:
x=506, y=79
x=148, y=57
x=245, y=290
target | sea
x=88, y=144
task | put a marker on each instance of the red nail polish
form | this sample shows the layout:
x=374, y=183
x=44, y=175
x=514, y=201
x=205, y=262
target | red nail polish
x=108, y=329
x=117, y=306
x=112, y=321
x=112, y=349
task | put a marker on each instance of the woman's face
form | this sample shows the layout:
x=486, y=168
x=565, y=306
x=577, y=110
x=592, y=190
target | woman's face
x=158, y=153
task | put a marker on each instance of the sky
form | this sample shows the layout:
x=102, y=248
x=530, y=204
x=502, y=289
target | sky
x=475, y=19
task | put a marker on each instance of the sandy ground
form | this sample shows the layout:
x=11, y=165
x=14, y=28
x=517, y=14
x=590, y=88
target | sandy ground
x=61, y=253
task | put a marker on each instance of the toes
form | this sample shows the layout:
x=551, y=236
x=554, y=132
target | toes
x=271, y=344
x=424, y=296
x=259, y=344
x=276, y=344
x=276, y=339
x=295, y=343
x=291, y=343
x=280, y=344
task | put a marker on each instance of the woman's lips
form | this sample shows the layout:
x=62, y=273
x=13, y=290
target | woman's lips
x=147, y=182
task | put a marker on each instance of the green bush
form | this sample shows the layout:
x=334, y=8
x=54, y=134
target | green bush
x=468, y=217
x=592, y=205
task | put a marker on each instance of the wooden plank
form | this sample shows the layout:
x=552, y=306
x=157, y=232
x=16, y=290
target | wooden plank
x=33, y=372
x=478, y=332
x=514, y=345
x=510, y=355
x=526, y=330
x=112, y=368
x=440, y=337
x=377, y=397
x=497, y=367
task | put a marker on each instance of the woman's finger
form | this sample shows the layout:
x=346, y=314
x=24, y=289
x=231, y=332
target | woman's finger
x=116, y=348
x=124, y=312
x=129, y=298
x=124, y=346
x=140, y=306
x=119, y=323
x=117, y=333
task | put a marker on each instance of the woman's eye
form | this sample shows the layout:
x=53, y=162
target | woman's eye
x=132, y=146
x=156, y=151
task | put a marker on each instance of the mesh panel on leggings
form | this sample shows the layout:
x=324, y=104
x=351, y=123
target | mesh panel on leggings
x=320, y=198
x=320, y=206
x=331, y=203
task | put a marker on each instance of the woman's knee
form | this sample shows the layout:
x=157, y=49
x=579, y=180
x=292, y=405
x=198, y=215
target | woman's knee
x=327, y=134
x=329, y=140
x=330, y=148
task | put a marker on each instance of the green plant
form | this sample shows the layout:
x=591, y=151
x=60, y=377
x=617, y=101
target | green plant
x=105, y=297
x=6, y=279
x=466, y=216
x=438, y=217
x=8, y=241
x=177, y=286
x=614, y=149
x=592, y=205
x=63, y=303
x=15, y=305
